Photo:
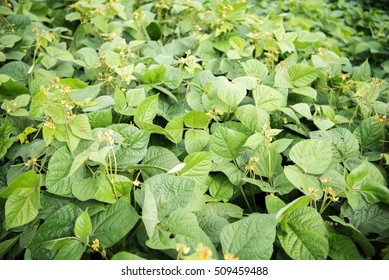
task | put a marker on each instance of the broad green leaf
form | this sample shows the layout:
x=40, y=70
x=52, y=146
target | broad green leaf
x=157, y=160
x=196, y=140
x=303, y=109
x=268, y=99
x=273, y=204
x=247, y=82
x=70, y=250
x=251, y=238
x=23, y=200
x=307, y=184
x=303, y=235
x=355, y=234
x=226, y=142
x=280, y=145
x=313, y=155
x=252, y=117
x=83, y=227
x=112, y=224
x=369, y=133
x=268, y=161
x=134, y=146
x=174, y=192
x=227, y=92
x=57, y=179
x=154, y=75
x=367, y=218
x=255, y=68
x=197, y=166
x=363, y=72
x=233, y=173
x=306, y=91
x=302, y=201
x=183, y=226
x=5, y=141
x=149, y=212
x=6, y=245
x=342, y=248
x=175, y=128
x=101, y=118
x=224, y=210
x=98, y=188
x=302, y=75
x=147, y=110
x=58, y=226
x=220, y=187
x=125, y=256
x=8, y=41
x=195, y=119
x=212, y=225
x=367, y=181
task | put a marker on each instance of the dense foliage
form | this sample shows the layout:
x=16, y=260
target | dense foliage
x=194, y=129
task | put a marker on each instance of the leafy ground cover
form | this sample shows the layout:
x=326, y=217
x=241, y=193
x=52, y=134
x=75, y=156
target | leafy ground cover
x=182, y=129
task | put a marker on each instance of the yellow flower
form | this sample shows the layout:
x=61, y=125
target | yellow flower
x=230, y=257
x=95, y=245
x=182, y=248
x=203, y=252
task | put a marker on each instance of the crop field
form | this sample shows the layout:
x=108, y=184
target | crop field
x=194, y=130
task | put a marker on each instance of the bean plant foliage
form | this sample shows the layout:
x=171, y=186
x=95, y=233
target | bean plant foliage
x=194, y=129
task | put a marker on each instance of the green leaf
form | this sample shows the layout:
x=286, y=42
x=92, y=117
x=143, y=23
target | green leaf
x=174, y=129
x=212, y=225
x=195, y=119
x=251, y=238
x=306, y=91
x=342, y=248
x=80, y=127
x=304, y=182
x=57, y=179
x=134, y=146
x=273, y=204
x=83, y=227
x=146, y=111
x=173, y=192
x=8, y=41
x=302, y=75
x=303, y=235
x=59, y=225
x=363, y=72
x=220, y=187
x=70, y=250
x=268, y=98
x=197, y=166
x=255, y=68
x=252, y=117
x=367, y=181
x=196, y=140
x=369, y=134
x=229, y=93
x=112, y=224
x=367, y=218
x=224, y=210
x=5, y=140
x=226, y=142
x=149, y=212
x=6, y=245
x=184, y=228
x=158, y=160
x=154, y=75
x=125, y=256
x=355, y=234
x=23, y=200
x=313, y=156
